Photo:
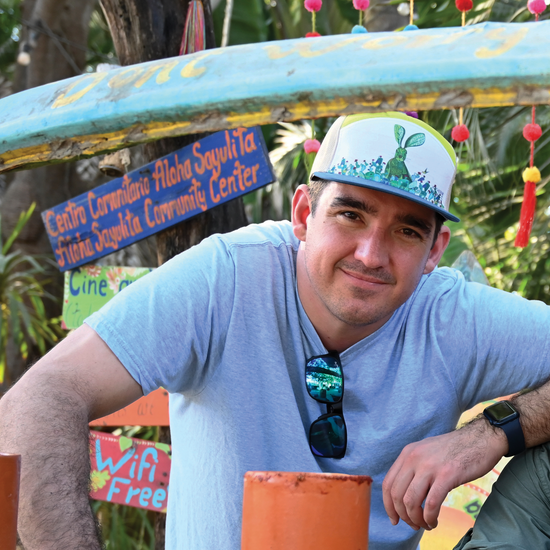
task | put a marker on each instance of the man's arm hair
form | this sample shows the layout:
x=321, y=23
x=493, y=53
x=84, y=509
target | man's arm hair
x=534, y=410
x=44, y=418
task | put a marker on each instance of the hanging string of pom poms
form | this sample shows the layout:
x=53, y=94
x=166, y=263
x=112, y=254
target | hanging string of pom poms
x=460, y=132
x=531, y=176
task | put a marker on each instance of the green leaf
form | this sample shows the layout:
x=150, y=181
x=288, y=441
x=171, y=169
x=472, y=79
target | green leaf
x=125, y=443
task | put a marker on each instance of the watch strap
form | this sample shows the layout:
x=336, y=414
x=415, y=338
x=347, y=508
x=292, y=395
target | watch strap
x=514, y=433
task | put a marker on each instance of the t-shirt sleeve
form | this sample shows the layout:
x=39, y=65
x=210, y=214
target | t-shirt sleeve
x=495, y=343
x=168, y=328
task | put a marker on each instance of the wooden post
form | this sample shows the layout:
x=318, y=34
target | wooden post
x=305, y=511
x=10, y=471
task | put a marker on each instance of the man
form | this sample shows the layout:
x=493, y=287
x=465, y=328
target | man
x=254, y=334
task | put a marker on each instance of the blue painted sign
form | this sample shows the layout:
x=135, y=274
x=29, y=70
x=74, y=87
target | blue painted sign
x=181, y=185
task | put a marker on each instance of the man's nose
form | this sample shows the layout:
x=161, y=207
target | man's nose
x=372, y=249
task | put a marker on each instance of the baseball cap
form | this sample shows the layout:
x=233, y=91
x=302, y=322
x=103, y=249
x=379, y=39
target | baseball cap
x=390, y=152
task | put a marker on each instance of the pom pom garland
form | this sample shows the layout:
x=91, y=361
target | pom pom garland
x=531, y=174
x=361, y=5
x=311, y=146
x=465, y=5
x=532, y=132
x=536, y=6
x=313, y=5
x=357, y=29
x=460, y=133
x=312, y=34
x=413, y=114
x=411, y=28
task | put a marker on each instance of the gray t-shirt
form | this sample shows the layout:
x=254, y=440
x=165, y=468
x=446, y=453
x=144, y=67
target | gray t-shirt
x=222, y=328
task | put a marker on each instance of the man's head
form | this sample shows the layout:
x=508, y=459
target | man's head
x=368, y=236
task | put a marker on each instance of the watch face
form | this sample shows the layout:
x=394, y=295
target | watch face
x=502, y=411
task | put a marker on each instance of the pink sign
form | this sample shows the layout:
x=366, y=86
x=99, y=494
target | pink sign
x=130, y=471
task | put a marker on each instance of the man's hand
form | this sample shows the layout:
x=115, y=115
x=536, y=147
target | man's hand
x=427, y=470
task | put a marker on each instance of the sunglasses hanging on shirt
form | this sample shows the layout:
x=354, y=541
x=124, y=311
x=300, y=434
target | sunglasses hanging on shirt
x=325, y=384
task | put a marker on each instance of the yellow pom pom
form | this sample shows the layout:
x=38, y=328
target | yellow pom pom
x=531, y=174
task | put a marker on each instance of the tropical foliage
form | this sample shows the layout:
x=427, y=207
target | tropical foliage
x=23, y=319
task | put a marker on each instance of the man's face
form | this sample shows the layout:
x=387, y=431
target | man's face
x=363, y=254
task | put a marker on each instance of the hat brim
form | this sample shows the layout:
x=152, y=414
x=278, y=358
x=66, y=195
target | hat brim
x=385, y=188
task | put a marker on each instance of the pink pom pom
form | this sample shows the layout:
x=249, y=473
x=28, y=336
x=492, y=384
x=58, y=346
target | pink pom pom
x=460, y=133
x=311, y=146
x=465, y=5
x=315, y=5
x=312, y=34
x=536, y=6
x=532, y=132
x=361, y=5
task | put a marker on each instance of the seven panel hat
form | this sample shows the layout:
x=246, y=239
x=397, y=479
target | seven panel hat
x=390, y=152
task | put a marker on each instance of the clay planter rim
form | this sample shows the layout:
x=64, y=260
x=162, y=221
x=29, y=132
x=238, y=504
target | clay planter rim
x=263, y=476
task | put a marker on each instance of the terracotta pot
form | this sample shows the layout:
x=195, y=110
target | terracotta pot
x=305, y=511
x=10, y=471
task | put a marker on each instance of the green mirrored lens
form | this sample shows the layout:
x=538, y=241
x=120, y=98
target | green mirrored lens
x=324, y=380
x=327, y=437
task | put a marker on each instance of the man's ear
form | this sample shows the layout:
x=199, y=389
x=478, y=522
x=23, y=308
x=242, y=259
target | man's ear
x=438, y=248
x=301, y=209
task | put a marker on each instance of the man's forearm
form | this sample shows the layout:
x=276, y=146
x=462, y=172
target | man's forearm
x=534, y=410
x=46, y=424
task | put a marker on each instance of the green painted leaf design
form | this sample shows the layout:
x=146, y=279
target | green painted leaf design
x=164, y=447
x=125, y=443
x=399, y=133
x=415, y=140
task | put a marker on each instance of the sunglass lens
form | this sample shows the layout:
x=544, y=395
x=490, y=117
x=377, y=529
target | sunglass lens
x=327, y=437
x=324, y=379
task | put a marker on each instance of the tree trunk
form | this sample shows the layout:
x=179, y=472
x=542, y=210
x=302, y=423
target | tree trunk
x=144, y=30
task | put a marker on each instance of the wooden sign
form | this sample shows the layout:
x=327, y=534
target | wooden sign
x=130, y=471
x=151, y=410
x=181, y=185
x=88, y=288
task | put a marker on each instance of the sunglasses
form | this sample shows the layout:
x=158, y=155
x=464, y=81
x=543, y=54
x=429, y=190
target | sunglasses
x=325, y=383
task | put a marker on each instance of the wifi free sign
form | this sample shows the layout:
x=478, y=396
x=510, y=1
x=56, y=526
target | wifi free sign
x=181, y=185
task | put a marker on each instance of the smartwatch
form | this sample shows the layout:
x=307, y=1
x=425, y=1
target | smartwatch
x=504, y=415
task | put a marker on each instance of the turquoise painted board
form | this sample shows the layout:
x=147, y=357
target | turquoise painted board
x=479, y=65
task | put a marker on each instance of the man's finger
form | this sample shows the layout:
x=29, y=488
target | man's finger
x=398, y=490
x=413, y=499
x=432, y=506
x=387, y=490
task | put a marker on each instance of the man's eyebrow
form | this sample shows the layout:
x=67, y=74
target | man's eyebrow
x=349, y=202
x=423, y=225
